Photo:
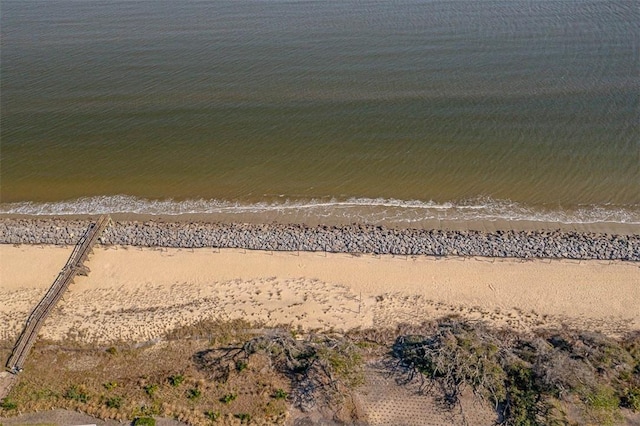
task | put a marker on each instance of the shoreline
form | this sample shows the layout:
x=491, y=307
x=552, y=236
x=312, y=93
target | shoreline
x=352, y=239
x=258, y=218
x=140, y=294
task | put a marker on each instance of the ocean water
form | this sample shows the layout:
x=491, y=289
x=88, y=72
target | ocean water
x=370, y=110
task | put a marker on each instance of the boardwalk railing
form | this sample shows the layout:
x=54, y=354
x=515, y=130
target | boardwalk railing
x=73, y=267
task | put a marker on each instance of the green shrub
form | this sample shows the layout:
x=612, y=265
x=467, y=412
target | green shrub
x=150, y=389
x=112, y=350
x=148, y=410
x=280, y=394
x=241, y=365
x=244, y=417
x=603, y=352
x=194, y=393
x=8, y=404
x=110, y=385
x=75, y=393
x=345, y=361
x=144, y=421
x=455, y=355
x=329, y=364
x=228, y=398
x=522, y=396
x=631, y=398
x=212, y=415
x=113, y=402
x=176, y=380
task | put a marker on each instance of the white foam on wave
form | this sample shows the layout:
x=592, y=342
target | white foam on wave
x=366, y=210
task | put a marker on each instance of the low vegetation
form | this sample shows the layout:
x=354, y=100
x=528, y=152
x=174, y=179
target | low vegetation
x=321, y=368
x=8, y=405
x=176, y=380
x=232, y=373
x=144, y=421
x=550, y=378
x=280, y=394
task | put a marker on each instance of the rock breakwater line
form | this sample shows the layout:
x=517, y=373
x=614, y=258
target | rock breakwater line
x=337, y=239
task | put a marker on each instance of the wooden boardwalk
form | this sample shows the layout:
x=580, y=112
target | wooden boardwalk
x=73, y=267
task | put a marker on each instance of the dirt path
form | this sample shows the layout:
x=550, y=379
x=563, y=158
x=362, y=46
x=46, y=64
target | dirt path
x=7, y=380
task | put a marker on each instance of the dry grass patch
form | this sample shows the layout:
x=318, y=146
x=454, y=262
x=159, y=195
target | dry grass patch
x=156, y=380
x=235, y=372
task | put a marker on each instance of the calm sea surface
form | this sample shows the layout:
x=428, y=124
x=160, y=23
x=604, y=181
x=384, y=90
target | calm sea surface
x=407, y=109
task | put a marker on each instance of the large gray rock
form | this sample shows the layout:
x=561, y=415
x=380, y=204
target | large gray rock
x=344, y=239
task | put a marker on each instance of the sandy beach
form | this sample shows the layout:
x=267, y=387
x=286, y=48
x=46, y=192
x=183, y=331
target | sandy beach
x=137, y=294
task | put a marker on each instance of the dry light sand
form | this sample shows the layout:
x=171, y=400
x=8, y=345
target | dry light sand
x=136, y=294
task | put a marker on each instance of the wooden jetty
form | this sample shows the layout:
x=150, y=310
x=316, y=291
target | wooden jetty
x=74, y=266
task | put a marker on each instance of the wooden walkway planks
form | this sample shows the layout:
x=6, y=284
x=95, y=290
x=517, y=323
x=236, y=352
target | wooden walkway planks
x=74, y=266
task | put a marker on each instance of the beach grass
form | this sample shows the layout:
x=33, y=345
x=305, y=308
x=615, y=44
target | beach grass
x=551, y=376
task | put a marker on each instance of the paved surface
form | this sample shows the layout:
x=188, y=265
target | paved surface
x=67, y=418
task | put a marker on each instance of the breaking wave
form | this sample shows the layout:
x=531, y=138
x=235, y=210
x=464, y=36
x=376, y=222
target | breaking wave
x=362, y=210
